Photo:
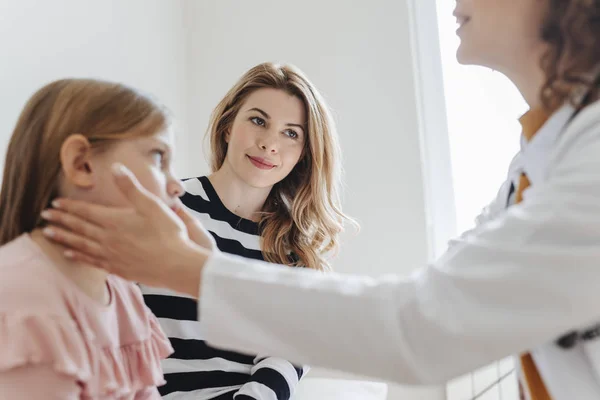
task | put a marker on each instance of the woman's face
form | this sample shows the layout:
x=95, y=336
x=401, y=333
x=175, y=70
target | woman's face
x=500, y=34
x=267, y=137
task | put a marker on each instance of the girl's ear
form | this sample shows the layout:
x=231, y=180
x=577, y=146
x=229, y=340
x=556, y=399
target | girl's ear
x=75, y=160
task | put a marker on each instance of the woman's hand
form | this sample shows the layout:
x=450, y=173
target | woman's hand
x=196, y=231
x=146, y=242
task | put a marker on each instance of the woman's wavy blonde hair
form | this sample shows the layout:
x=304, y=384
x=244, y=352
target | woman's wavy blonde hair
x=302, y=216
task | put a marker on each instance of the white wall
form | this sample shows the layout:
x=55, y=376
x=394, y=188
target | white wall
x=359, y=56
x=139, y=42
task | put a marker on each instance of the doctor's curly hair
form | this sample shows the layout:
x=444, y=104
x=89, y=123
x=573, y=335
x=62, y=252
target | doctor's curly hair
x=571, y=29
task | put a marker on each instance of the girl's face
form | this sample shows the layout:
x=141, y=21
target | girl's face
x=499, y=34
x=267, y=138
x=87, y=172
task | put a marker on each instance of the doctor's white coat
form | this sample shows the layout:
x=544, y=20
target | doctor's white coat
x=523, y=277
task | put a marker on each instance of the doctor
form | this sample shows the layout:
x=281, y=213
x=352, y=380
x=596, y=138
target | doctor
x=525, y=281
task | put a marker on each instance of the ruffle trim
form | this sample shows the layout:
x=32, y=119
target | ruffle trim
x=59, y=342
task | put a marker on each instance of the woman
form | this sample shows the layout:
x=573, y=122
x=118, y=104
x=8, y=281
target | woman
x=524, y=281
x=272, y=196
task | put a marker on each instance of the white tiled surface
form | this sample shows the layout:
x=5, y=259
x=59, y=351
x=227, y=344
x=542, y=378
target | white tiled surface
x=483, y=384
x=339, y=389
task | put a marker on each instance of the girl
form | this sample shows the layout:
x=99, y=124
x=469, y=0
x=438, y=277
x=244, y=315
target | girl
x=68, y=330
x=272, y=196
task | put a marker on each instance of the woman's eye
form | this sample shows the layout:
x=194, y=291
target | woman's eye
x=292, y=134
x=258, y=121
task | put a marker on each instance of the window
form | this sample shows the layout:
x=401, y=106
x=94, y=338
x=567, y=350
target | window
x=483, y=130
x=469, y=138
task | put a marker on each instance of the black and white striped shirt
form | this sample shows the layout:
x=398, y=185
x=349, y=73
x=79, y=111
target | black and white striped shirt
x=195, y=370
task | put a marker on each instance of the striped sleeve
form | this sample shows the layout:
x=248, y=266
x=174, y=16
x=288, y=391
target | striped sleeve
x=271, y=379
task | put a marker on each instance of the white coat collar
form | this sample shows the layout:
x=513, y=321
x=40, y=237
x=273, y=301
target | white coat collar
x=535, y=154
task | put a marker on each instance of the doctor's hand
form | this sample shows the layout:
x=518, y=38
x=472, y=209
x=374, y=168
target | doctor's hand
x=146, y=242
x=196, y=232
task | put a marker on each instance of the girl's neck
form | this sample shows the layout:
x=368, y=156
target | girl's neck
x=92, y=281
x=238, y=197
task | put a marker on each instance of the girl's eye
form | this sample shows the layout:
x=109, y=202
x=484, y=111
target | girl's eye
x=158, y=156
x=258, y=121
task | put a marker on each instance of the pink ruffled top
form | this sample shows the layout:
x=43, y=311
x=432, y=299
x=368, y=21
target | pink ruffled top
x=111, y=352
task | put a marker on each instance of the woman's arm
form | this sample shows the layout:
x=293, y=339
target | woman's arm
x=271, y=378
x=511, y=285
x=514, y=282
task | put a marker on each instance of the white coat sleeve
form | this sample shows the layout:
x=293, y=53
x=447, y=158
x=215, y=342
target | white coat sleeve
x=517, y=280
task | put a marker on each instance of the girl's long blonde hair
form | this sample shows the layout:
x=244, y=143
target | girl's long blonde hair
x=302, y=216
x=103, y=112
